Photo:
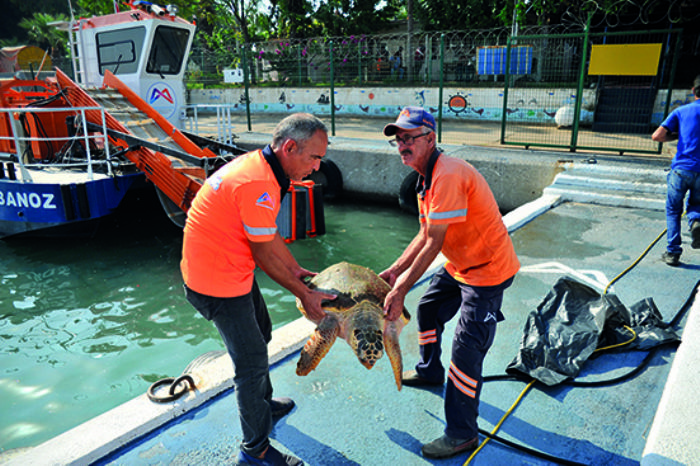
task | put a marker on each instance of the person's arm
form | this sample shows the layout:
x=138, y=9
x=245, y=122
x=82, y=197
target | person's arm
x=406, y=258
x=288, y=259
x=663, y=135
x=433, y=237
x=274, y=258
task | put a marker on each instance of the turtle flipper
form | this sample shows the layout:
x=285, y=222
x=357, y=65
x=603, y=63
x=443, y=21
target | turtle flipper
x=392, y=329
x=318, y=345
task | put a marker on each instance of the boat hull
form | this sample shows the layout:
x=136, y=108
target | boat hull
x=59, y=208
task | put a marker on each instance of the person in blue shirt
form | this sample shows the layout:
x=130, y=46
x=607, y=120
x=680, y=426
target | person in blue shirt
x=396, y=68
x=684, y=178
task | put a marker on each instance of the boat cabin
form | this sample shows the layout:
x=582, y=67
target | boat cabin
x=146, y=47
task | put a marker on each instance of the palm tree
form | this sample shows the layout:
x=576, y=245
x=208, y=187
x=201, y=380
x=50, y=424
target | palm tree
x=42, y=34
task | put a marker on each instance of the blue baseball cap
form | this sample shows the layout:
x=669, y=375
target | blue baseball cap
x=411, y=118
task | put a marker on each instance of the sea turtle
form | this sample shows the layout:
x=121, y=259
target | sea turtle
x=357, y=316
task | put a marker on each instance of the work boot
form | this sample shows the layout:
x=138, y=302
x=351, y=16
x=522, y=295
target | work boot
x=695, y=234
x=412, y=379
x=271, y=457
x=445, y=447
x=281, y=406
x=671, y=258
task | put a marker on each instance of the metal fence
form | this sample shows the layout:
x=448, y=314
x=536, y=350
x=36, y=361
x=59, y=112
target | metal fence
x=392, y=59
x=616, y=101
x=545, y=98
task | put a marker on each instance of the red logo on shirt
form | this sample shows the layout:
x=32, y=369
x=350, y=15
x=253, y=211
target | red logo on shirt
x=265, y=201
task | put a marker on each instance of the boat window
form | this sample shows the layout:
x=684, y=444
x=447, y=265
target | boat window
x=119, y=51
x=168, y=50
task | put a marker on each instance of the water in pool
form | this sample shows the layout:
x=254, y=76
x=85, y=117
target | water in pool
x=89, y=324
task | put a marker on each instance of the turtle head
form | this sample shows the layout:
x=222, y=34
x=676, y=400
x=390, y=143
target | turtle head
x=368, y=345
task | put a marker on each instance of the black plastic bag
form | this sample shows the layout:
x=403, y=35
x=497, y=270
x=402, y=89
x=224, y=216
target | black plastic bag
x=573, y=321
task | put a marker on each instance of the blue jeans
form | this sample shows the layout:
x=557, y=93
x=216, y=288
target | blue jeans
x=681, y=182
x=244, y=324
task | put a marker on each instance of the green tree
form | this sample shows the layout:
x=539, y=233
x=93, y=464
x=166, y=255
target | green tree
x=346, y=17
x=14, y=11
x=297, y=19
x=235, y=19
x=291, y=19
x=450, y=15
x=95, y=7
x=42, y=33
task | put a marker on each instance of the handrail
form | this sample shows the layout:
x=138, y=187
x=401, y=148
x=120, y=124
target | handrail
x=19, y=139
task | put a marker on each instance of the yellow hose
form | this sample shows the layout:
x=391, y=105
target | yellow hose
x=635, y=262
x=529, y=385
x=634, y=337
x=498, y=426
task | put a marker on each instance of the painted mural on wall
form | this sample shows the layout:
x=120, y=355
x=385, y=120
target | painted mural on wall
x=524, y=105
x=678, y=98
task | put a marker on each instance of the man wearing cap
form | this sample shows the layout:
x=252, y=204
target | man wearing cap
x=460, y=218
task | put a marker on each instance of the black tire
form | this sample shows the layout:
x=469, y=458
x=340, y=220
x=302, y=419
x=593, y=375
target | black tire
x=330, y=178
x=407, y=194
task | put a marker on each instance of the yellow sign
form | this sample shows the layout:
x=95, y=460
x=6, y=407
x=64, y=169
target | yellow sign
x=625, y=59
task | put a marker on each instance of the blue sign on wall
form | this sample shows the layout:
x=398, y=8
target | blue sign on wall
x=492, y=60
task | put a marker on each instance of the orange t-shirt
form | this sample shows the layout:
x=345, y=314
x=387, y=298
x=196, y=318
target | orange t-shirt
x=237, y=204
x=477, y=246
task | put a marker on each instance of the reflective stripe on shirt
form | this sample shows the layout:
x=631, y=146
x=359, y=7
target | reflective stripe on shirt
x=446, y=215
x=259, y=231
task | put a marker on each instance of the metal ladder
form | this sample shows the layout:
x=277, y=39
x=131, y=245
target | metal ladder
x=76, y=48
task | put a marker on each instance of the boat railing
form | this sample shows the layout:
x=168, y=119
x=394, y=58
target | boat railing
x=198, y=120
x=13, y=146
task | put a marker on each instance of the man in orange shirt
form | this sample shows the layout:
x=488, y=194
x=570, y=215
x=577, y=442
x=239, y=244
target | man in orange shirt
x=230, y=229
x=460, y=218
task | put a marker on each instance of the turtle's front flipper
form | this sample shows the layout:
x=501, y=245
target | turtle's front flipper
x=392, y=348
x=318, y=345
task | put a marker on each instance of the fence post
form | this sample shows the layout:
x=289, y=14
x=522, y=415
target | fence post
x=359, y=64
x=245, y=85
x=409, y=55
x=332, y=92
x=299, y=63
x=506, y=78
x=669, y=92
x=429, y=60
x=579, y=90
x=442, y=78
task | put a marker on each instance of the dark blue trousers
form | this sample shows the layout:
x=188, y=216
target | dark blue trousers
x=245, y=327
x=479, y=311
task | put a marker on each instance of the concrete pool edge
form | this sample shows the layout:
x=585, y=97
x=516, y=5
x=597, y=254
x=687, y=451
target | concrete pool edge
x=672, y=438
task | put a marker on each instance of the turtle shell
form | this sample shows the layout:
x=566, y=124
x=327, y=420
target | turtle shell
x=352, y=284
